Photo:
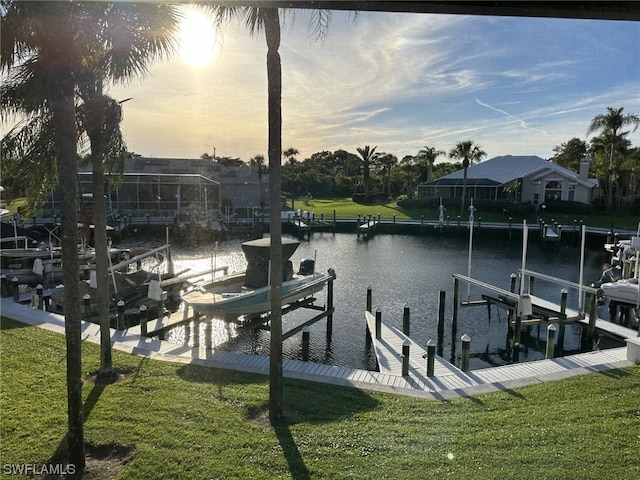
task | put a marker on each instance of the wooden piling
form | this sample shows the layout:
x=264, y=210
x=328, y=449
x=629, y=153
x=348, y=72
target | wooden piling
x=40, y=297
x=406, y=320
x=208, y=334
x=187, y=332
x=441, y=309
x=15, y=283
x=378, y=332
x=86, y=301
x=405, y=358
x=466, y=349
x=305, y=344
x=120, y=306
x=369, y=307
x=330, y=306
x=431, y=356
x=144, y=318
x=593, y=316
x=454, y=320
x=561, y=328
x=551, y=336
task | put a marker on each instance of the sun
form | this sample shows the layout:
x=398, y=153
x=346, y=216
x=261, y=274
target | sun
x=197, y=39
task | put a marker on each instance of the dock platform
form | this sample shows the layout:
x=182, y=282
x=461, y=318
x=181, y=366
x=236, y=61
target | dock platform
x=388, y=349
x=446, y=384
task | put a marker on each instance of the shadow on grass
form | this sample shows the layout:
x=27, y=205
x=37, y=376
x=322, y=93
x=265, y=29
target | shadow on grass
x=297, y=467
x=616, y=374
x=204, y=374
x=7, y=323
x=304, y=402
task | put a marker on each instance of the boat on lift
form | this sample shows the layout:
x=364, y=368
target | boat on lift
x=623, y=291
x=248, y=293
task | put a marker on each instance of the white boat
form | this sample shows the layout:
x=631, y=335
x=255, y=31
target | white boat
x=622, y=291
x=33, y=265
x=248, y=293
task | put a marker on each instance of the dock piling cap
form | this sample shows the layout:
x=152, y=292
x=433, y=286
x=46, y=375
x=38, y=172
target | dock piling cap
x=524, y=305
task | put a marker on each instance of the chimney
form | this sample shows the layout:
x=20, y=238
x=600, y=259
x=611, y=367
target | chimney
x=584, y=168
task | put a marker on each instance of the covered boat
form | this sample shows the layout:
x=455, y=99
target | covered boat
x=622, y=291
x=248, y=293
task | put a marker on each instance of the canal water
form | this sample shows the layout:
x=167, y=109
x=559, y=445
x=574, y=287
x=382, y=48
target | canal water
x=403, y=270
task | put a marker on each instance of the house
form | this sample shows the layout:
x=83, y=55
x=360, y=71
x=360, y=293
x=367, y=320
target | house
x=181, y=186
x=525, y=179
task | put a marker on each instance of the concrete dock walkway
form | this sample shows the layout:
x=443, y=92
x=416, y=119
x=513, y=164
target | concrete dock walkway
x=446, y=384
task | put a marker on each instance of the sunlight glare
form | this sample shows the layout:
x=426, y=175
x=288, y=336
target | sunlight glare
x=198, y=43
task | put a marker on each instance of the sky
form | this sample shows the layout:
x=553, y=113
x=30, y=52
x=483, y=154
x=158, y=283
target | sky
x=398, y=81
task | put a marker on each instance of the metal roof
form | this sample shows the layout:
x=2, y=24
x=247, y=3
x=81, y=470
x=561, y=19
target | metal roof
x=506, y=169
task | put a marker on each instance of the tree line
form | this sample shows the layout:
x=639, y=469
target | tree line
x=372, y=175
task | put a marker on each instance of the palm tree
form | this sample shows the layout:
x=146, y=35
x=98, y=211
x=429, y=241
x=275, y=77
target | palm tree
x=49, y=49
x=258, y=162
x=468, y=153
x=610, y=124
x=290, y=155
x=428, y=156
x=42, y=44
x=257, y=19
x=387, y=161
x=367, y=157
x=149, y=29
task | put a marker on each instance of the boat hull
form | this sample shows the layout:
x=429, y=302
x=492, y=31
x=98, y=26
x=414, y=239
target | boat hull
x=253, y=302
x=623, y=291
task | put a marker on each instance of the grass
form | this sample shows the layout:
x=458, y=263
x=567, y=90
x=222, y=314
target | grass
x=184, y=421
x=345, y=207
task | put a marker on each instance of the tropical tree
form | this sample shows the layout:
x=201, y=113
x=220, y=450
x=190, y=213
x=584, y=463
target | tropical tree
x=43, y=44
x=569, y=154
x=610, y=124
x=268, y=20
x=290, y=155
x=427, y=156
x=258, y=162
x=386, y=162
x=468, y=153
x=148, y=31
x=48, y=51
x=367, y=158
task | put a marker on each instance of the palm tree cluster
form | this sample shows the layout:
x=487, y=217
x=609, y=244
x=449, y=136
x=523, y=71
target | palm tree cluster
x=56, y=59
x=614, y=161
x=367, y=174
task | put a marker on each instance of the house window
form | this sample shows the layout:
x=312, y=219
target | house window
x=552, y=191
x=536, y=198
x=572, y=193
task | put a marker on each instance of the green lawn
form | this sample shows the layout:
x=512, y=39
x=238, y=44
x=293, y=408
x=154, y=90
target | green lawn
x=189, y=422
x=346, y=208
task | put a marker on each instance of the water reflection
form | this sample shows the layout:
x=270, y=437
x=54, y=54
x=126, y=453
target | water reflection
x=401, y=270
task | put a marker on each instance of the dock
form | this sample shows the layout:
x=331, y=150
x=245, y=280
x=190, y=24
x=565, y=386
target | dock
x=305, y=226
x=368, y=229
x=448, y=383
x=388, y=349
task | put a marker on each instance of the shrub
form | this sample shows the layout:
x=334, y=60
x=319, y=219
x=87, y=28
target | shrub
x=373, y=198
x=571, y=208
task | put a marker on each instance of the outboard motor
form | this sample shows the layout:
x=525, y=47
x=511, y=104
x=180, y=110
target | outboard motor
x=307, y=267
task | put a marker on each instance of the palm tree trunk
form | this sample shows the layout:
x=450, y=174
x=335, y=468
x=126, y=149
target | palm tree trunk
x=274, y=80
x=63, y=110
x=464, y=190
x=102, y=261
